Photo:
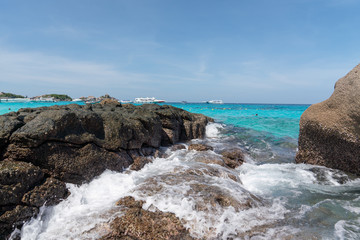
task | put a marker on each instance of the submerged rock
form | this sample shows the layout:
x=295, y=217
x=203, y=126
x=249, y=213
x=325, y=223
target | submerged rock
x=178, y=147
x=141, y=224
x=200, y=147
x=139, y=163
x=330, y=130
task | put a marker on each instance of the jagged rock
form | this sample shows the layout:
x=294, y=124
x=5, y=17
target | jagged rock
x=207, y=158
x=139, y=163
x=330, y=130
x=213, y=196
x=75, y=143
x=110, y=101
x=15, y=218
x=177, y=147
x=22, y=191
x=233, y=157
x=51, y=192
x=200, y=147
x=8, y=124
x=73, y=163
x=141, y=224
x=16, y=178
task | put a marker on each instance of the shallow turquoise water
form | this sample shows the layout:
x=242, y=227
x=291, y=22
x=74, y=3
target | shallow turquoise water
x=278, y=120
x=6, y=107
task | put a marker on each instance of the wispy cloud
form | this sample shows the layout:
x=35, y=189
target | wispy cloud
x=27, y=69
x=64, y=31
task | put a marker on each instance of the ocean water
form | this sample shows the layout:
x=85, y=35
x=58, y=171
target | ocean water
x=6, y=107
x=288, y=200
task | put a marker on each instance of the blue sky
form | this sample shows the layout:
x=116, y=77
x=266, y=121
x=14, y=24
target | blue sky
x=257, y=51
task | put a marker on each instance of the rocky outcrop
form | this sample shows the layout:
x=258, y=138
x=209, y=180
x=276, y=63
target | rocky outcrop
x=42, y=148
x=23, y=188
x=330, y=130
x=140, y=224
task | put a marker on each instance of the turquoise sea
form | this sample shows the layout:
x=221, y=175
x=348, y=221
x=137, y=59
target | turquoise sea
x=303, y=201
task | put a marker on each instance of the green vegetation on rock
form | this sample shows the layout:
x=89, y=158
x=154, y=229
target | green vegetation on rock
x=61, y=97
x=10, y=95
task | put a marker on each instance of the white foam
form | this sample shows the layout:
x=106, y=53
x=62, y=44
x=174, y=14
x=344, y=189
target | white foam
x=213, y=130
x=164, y=184
x=347, y=229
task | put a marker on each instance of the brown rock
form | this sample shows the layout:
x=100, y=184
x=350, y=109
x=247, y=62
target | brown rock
x=110, y=101
x=15, y=218
x=233, y=157
x=330, y=130
x=141, y=224
x=139, y=163
x=200, y=147
x=16, y=178
x=22, y=184
x=177, y=147
x=50, y=193
x=208, y=159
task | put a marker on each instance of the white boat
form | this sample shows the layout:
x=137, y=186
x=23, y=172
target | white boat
x=14, y=99
x=42, y=99
x=215, y=102
x=77, y=100
x=148, y=100
x=125, y=101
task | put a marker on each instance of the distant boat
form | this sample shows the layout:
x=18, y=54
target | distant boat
x=77, y=100
x=42, y=99
x=125, y=101
x=215, y=102
x=14, y=100
x=92, y=101
x=148, y=100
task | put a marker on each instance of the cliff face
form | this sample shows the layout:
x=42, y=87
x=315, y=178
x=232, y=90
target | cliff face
x=330, y=130
x=42, y=148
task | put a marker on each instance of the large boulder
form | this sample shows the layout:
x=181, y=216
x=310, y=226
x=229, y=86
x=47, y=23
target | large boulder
x=76, y=143
x=330, y=130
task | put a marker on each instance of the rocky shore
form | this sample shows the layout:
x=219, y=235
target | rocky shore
x=41, y=149
x=330, y=130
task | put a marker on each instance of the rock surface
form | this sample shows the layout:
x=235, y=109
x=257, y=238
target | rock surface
x=233, y=157
x=141, y=224
x=200, y=147
x=330, y=130
x=42, y=148
x=24, y=188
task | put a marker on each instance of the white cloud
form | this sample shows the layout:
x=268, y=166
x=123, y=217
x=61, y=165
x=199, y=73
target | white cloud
x=33, y=66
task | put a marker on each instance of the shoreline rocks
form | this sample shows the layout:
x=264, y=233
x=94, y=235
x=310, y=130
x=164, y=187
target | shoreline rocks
x=330, y=130
x=42, y=148
x=137, y=223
